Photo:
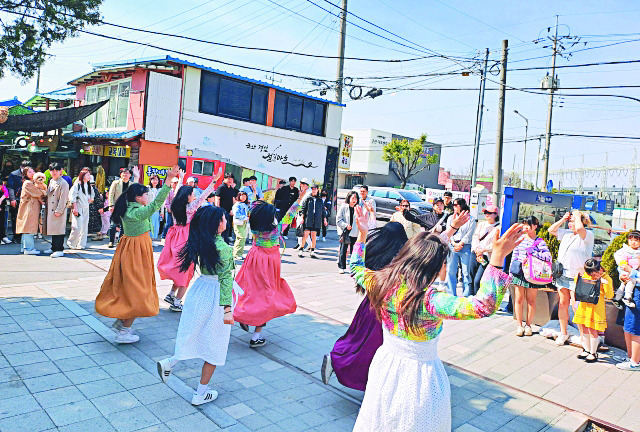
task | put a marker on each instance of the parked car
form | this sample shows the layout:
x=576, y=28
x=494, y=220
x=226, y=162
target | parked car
x=387, y=199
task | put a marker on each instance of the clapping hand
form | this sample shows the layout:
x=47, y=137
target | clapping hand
x=504, y=245
x=173, y=172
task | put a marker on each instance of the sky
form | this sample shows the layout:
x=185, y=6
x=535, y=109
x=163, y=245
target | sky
x=435, y=37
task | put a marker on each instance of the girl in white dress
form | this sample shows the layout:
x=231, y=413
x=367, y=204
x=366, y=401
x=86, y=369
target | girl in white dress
x=408, y=388
x=207, y=314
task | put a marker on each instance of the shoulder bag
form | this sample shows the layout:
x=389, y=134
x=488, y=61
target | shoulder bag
x=587, y=291
x=536, y=271
x=557, y=269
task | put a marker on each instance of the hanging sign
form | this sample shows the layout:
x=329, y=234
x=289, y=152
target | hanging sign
x=96, y=150
x=346, y=145
x=149, y=170
x=117, y=151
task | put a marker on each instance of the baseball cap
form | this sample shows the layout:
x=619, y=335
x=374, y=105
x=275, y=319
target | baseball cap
x=490, y=209
x=191, y=179
x=175, y=180
x=304, y=180
x=314, y=185
x=449, y=194
x=438, y=200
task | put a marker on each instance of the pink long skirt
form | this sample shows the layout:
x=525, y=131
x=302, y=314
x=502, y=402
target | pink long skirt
x=169, y=262
x=266, y=294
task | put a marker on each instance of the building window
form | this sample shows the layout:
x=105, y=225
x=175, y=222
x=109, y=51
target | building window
x=202, y=168
x=227, y=97
x=299, y=114
x=113, y=115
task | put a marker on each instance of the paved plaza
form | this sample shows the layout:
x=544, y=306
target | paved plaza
x=60, y=370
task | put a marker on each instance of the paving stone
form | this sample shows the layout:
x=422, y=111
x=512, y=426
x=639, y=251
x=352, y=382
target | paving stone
x=153, y=393
x=36, y=369
x=74, y=363
x=249, y=381
x=108, y=357
x=116, y=402
x=13, y=388
x=99, y=388
x=238, y=411
x=47, y=382
x=170, y=409
x=254, y=421
x=76, y=330
x=97, y=424
x=63, y=352
x=61, y=396
x=81, y=376
x=85, y=338
x=35, y=421
x=133, y=419
x=97, y=348
x=19, y=347
x=196, y=422
x=136, y=380
x=26, y=358
x=72, y=412
x=11, y=338
x=18, y=405
x=123, y=368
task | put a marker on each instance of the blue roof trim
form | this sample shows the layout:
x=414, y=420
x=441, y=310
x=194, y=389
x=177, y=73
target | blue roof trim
x=132, y=62
x=11, y=102
x=106, y=135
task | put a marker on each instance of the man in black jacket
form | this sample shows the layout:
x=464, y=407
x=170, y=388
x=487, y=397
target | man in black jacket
x=435, y=218
x=284, y=199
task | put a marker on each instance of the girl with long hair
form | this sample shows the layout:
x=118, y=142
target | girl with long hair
x=207, y=316
x=352, y=353
x=408, y=387
x=129, y=289
x=183, y=207
x=266, y=294
x=154, y=188
x=80, y=196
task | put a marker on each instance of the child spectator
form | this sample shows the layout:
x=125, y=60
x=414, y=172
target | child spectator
x=628, y=260
x=240, y=213
x=591, y=318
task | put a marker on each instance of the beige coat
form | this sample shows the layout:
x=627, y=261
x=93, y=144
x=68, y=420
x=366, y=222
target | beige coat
x=57, y=197
x=115, y=191
x=410, y=228
x=29, y=210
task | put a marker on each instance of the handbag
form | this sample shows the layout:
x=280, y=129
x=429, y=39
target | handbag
x=536, y=271
x=557, y=269
x=587, y=291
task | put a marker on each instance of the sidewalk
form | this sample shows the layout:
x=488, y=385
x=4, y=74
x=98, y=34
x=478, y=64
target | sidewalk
x=60, y=369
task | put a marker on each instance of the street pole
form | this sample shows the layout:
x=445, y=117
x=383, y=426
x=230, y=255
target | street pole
x=476, y=146
x=550, y=111
x=343, y=35
x=497, y=163
x=524, y=153
x=535, y=187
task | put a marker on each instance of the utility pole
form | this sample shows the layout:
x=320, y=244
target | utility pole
x=524, y=152
x=497, y=163
x=535, y=187
x=343, y=36
x=549, y=113
x=38, y=81
x=476, y=146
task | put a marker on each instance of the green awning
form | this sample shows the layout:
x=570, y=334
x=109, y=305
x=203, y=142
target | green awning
x=67, y=154
x=28, y=149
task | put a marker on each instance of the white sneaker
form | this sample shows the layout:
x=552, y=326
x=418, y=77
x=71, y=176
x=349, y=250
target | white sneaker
x=520, y=331
x=286, y=237
x=164, y=370
x=125, y=336
x=301, y=253
x=57, y=254
x=628, y=366
x=6, y=240
x=32, y=252
x=48, y=251
x=327, y=369
x=341, y=271
x=562, y=339
x=324, y=239
x=208, y=396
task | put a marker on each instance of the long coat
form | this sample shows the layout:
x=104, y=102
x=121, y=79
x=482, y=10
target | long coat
x=57, y=198
x=29, y=210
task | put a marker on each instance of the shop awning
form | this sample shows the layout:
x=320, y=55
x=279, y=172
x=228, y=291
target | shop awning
x=67, y=154
x=28, y=149
x=44, y=121
x=105, y=134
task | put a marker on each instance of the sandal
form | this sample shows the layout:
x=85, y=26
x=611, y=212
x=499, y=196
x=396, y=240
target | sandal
x=583, y=355
x=591, y=358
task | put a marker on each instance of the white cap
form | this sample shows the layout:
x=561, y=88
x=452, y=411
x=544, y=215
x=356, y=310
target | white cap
x=191, y=179
x=304, y=180
x=175, y=180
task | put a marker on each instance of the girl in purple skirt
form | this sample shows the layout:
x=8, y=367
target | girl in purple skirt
x=353, y=352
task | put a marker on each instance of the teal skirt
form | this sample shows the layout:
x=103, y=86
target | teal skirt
x=516, y=280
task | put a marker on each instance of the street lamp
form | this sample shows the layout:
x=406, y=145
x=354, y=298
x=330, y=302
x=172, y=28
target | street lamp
x=524, y=153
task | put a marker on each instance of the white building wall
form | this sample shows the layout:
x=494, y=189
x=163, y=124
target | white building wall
x=276, y=152
x=163, y=108
x=367, y=151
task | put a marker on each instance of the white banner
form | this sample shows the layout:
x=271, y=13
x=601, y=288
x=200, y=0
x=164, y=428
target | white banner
x=273, y=155
x=346, y=145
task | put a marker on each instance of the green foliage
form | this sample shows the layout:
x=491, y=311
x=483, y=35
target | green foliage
x=608, y=263
x=31, y=26
x=407, y=158
x=552, y=242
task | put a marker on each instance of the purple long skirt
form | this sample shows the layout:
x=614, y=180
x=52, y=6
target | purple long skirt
x=353, y=352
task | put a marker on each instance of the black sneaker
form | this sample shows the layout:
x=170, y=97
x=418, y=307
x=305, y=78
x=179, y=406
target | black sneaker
x=257, y=343
x=169, y=298
x=110, y=245
x=176, y=308
x=296, y=247
x=244, y=327
x=618, y=304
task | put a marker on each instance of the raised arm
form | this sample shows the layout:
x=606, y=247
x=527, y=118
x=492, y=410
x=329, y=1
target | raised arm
x=553, y=229
x=579, y=226
x=147, y=211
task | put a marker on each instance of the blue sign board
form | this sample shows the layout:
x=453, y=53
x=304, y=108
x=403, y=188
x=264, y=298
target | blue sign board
x=549, y=186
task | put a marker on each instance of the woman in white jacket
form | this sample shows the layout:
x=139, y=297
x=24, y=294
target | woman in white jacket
x=347, y=228
x=81, y=195
x=482, y=244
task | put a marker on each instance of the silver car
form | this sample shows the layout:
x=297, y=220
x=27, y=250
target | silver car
x=387, y=199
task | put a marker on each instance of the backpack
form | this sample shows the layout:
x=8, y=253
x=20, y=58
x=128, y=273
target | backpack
x=536, y=271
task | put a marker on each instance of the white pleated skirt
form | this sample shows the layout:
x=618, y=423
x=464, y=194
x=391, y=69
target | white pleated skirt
x=202, y=333
x=407, y=389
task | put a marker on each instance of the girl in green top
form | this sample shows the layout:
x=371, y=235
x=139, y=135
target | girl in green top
x=207, y=313
x=129, y=289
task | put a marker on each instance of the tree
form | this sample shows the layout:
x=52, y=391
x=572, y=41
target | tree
x=31, y=26
x=552, y=241
x=407, y=157
x=609, y=263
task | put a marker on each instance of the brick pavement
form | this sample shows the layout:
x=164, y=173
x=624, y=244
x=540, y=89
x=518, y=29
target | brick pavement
x=60, y=370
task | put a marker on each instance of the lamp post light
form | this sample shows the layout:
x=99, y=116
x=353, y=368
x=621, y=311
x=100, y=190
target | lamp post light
x=524, y=152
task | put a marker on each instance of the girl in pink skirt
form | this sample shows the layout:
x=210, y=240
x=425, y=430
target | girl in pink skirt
x=266, y=294
x=183, y=207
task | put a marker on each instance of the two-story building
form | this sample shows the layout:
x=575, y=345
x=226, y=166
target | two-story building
x=163, y=108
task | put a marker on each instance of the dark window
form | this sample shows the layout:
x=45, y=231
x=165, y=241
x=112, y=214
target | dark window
x=207, y=170
x=280, y=110
x=231, y=98
x=197, y=167
x=294, y=113
x=235, y=99
x=313, y=117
